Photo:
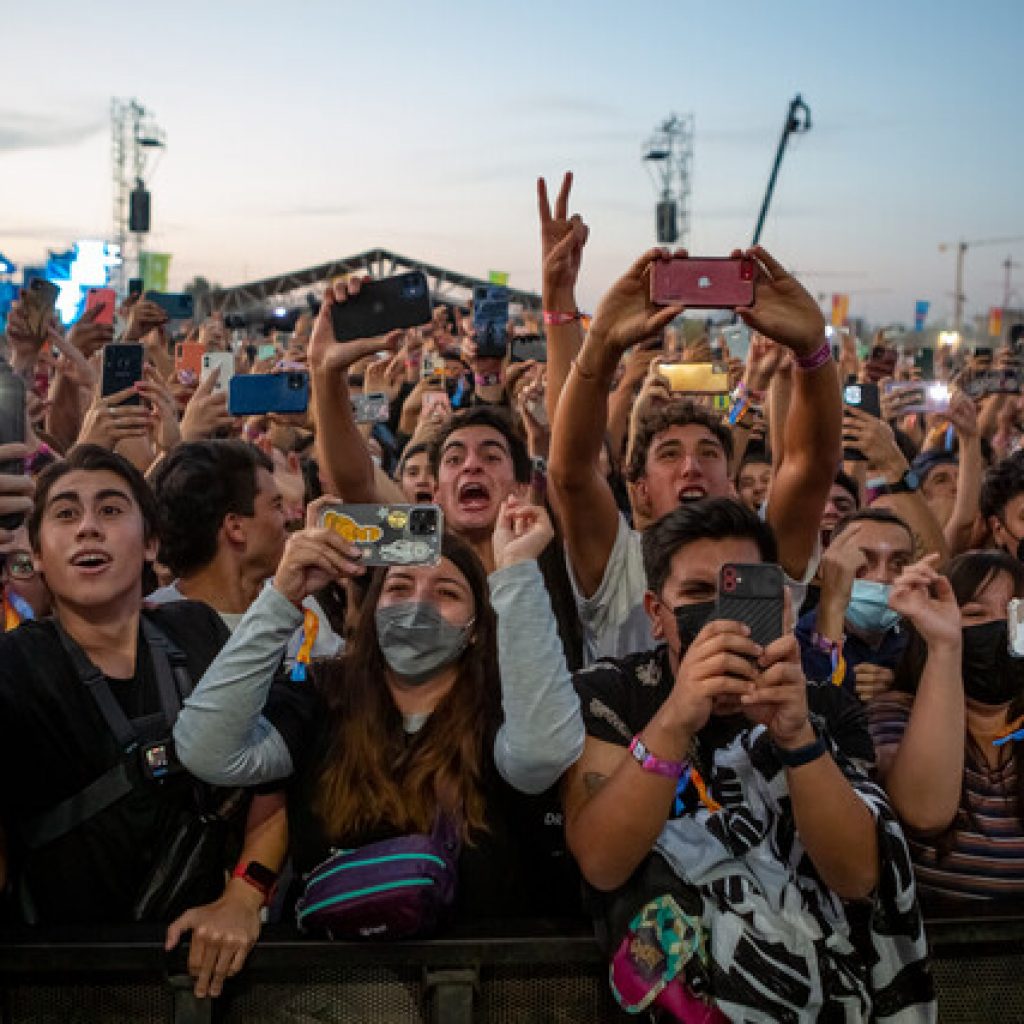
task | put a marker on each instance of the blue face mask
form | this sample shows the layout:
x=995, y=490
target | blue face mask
x=869, y=607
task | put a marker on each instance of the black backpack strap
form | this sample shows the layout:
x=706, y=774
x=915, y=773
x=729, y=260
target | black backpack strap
x=96, y=683
x=170, y=667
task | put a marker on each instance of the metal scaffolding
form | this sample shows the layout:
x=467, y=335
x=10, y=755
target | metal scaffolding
x=668, y=157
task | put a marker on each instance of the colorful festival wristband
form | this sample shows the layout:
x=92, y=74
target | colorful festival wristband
x=817, y=358
x=487, y=380
x=556, y=319
x=652, y=763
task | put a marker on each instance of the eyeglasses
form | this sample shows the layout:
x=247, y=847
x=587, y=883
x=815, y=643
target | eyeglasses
x=20, y=567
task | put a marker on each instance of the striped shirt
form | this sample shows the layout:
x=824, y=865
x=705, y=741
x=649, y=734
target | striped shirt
x=986, y=860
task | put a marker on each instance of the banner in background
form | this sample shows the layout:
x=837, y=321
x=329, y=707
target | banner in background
x=995, y=322
x=920, y=313
x=153, y=269
x=498, y=277
x=840, y=309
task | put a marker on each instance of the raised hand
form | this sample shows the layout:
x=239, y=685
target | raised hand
x=521, y=533
x=778, y=699
x=109, y=421
x=562, y=239
x=925, y=597
x=206, y=411
x=87, y=336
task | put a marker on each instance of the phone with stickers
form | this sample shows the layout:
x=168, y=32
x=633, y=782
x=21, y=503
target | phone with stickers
x=752, y=593
x=371, y=408
x=389, y=534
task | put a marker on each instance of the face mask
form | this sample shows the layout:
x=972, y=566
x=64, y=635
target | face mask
x=690, y=620
x=417, y=641
x=869, y=607
x=991, y=674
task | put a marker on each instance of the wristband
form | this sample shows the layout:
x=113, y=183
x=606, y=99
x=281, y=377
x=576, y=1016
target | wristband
x=259, y=876
x=753, y=396
x=654, y=764
x=802, y=755
x=487, y=380
x=555, y=319
x=824, y=644
x=817, y=358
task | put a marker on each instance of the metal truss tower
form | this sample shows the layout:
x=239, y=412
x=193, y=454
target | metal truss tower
x=134, y=137
x=668, y=157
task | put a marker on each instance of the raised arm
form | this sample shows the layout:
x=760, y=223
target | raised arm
x=542, y=733
x=970, y=469
x=925, y=775
x=590, y=517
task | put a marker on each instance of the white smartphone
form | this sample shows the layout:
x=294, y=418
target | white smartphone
x=1015, y=627
x=225, y=362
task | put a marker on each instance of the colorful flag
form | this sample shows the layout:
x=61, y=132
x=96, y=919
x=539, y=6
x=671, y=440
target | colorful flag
x=920, y=313
x=840, y=309
x=153, y=269
x=995, y=322
x=498, y=277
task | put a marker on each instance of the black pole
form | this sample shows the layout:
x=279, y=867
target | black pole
x=793, y=124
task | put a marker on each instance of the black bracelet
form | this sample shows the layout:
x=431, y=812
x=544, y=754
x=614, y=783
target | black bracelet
x=802, y=755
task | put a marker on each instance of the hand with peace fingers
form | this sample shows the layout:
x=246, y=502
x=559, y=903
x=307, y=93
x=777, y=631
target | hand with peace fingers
x=626, y=315
x=223, y=934
x=207, y=411
x=521, y=534
x=717, y=665
x=924, y=597
x=109, y=421
x=778, y=699
x=783, y=309
x=315, y=556
x=562, y=239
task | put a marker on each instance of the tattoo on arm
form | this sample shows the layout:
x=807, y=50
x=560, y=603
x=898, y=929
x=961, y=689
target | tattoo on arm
x=593, y=781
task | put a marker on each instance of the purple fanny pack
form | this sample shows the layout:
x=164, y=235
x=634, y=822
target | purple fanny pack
x=393, y=889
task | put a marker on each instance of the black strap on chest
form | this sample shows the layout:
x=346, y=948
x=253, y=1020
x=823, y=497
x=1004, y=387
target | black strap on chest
x=174, y=684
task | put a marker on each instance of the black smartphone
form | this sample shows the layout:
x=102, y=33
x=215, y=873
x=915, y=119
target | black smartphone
x=527, y=347
x=490, y=320
x=135, y=286
x=122, y=367
x=982, y=352
x=863, y=396
x=177, y=305
x=924, y=360
x=12, y=431
x=752, y=593
x=393, y=304
x=1016, y=339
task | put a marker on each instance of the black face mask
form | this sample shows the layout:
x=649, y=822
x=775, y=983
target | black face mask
x=991, y=674
x=690, y=620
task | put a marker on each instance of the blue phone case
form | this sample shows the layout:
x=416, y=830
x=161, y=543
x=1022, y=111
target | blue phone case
x=255, y=394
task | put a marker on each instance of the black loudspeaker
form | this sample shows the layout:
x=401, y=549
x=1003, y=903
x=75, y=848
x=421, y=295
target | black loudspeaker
x=138, y=215
x=667, y=230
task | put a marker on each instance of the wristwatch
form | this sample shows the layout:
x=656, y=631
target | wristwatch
x=907, y=484
x=259, y=876
x=654, y=764
x=802, y=755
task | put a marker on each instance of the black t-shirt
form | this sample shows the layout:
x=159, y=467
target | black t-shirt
x=518, y=868
x=619, y=697
x=54, y=742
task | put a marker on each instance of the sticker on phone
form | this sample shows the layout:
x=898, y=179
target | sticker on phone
x=389, y=534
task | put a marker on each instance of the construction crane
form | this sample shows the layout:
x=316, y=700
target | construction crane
x=668, y=157
x=961, y=252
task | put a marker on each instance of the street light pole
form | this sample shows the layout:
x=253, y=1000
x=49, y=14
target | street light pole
x=798, y=119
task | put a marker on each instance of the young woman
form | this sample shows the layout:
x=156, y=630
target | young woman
x=449, y=697
x=957, y=786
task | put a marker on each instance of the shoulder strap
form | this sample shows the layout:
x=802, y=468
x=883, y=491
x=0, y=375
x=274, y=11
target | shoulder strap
x=170, y=666
x=96, y=683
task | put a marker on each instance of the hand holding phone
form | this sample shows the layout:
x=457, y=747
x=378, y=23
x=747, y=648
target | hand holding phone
x=754, y=594
x=38, y=302
x=379, y=307
x=12, y=432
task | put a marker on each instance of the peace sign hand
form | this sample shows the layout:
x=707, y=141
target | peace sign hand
x=561, y=242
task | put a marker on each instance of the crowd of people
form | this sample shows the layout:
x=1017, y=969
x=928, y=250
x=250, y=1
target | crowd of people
x=212, y=711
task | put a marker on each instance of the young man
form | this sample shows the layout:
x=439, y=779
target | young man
x=722, y=803
x=1002, y=504
x=92, y=531
x=683, y=453
x=853, y=637
x=222, y=531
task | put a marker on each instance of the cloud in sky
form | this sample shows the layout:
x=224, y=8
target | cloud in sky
x=22, y=131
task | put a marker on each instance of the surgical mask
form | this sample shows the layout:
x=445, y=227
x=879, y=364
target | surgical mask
x=417, y=641
x=992, y=675
x=690, y=620
x=869, y=609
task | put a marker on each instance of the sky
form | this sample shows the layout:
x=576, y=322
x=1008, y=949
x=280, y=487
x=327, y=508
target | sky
x=301, y=133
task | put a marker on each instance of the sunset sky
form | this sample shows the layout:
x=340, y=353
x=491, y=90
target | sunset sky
x=305, y=132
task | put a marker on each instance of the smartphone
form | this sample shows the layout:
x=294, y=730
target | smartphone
x=371, y=408
x=696, y=378
x=436, y=401
x=490, y=320
x=12, y=431
x=188, y=356
x=918, y=396
x=106, y=300
x=135, y=286
x=737, y=337
x=266, y=351
x=1016, y=339
x=177, y=305
x=223, y=361
x=882, y=363
x=1015, y=627
x=865, y=397
x=980, y=352
x=924, y=360
x=752, y=593
x=392, y=304
x=433, y=365
x=38, y=301
x=703, y=283
x=389, y=534
x=527, y=347
x=256, y=394
x=122, y=367
x=994, y=382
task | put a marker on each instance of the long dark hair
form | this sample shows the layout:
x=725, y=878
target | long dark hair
x=374, y=774
x=968, y=575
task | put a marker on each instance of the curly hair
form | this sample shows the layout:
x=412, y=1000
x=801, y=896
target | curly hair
x=680, y=412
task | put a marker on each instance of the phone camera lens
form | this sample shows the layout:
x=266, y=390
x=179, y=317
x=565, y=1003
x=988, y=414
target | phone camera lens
x=295, y=381
x=421, y=522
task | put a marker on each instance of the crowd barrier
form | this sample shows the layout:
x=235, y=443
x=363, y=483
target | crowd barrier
x=542, y=973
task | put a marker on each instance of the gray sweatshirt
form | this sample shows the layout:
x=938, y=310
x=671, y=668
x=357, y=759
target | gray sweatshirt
x=222, y=737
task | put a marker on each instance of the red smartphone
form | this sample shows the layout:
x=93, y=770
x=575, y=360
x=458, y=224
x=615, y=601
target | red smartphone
x=104, y=298
x=704, y=282
x=188, y=355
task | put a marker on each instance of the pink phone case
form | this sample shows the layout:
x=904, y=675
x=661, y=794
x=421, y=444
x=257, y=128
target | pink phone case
x=703, y=283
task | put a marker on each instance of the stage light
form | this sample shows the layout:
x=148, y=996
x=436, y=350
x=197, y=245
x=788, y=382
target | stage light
x=86, y=265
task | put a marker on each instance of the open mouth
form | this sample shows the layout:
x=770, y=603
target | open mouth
x=692, y=494
x=423, y=497
x=91, y=560
x=474, y=497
